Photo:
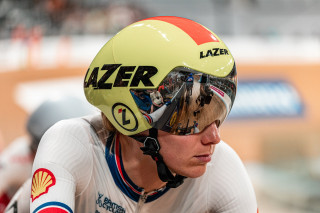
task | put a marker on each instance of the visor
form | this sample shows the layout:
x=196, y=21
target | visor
x=187, y=101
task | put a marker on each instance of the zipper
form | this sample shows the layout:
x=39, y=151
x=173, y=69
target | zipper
x=142, y=199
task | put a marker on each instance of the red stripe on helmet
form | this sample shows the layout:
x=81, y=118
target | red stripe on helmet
x=196, y=31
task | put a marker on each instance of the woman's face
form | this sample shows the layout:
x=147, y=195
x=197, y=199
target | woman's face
x=188, y=155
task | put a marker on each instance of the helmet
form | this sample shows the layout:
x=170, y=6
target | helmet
x=162, y=53
x=52, y=111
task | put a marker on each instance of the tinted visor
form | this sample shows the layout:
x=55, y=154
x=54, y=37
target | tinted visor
x=187, y=101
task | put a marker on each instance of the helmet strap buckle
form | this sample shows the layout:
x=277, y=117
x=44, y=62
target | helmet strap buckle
x=152, y=147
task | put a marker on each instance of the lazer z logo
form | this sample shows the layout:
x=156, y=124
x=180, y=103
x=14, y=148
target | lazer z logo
x=124, y=75
x=125, y=117
x=214, y=52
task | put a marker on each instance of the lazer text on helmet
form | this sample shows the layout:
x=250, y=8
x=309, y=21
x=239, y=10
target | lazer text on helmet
x=123, y=76
x=214, y=52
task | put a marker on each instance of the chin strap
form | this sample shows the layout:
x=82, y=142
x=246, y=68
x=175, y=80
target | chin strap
x=152, y=148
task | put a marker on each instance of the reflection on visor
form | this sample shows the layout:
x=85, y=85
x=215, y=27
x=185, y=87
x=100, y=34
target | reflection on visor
x=187, y=101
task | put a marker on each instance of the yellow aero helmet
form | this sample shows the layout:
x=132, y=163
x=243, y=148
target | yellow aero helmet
x=166, y=72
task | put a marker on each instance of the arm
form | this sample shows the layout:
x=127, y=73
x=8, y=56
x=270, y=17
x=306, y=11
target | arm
x=62, y=167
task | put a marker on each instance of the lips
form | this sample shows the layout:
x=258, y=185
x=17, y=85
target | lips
x=204, y=158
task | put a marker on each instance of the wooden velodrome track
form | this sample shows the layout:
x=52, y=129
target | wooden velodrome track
x=245, y=136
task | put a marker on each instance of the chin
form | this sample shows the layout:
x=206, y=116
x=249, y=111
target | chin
x=194, y=172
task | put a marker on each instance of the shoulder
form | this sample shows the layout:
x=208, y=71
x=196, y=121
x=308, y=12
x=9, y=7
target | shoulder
x=67, y=135
x=74, y=127
x=66, y=150
x=229, y=183
x=70, y=132
x=68, y=138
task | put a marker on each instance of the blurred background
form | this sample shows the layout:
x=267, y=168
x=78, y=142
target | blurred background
x=46, y=47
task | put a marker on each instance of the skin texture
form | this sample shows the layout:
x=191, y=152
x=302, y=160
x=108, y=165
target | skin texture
x=188, y=155
x=185, y=155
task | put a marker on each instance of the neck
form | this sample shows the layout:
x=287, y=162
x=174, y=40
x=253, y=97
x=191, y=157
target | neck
x=141, y=168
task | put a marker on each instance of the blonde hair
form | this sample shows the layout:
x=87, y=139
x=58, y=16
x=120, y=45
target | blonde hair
x=107, y=124
x=109, y=128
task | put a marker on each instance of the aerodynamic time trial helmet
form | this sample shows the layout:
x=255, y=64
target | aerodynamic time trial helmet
x=159, y=54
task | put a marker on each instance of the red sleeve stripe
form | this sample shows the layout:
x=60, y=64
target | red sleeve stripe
x=53, y=207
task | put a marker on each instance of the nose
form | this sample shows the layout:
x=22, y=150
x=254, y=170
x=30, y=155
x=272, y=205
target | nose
x=211, y=134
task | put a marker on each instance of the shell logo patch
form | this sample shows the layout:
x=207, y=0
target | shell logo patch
x=42, y=180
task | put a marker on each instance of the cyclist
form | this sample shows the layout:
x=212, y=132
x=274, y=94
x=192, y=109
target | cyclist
x=123, y=160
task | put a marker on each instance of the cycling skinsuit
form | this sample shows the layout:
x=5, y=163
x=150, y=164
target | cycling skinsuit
x=77, y=170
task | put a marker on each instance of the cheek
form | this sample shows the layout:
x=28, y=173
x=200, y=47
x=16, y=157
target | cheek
x=178, y=154
x=170, y=153
x=175, y=146
x=176, y=150
x=181, y=162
